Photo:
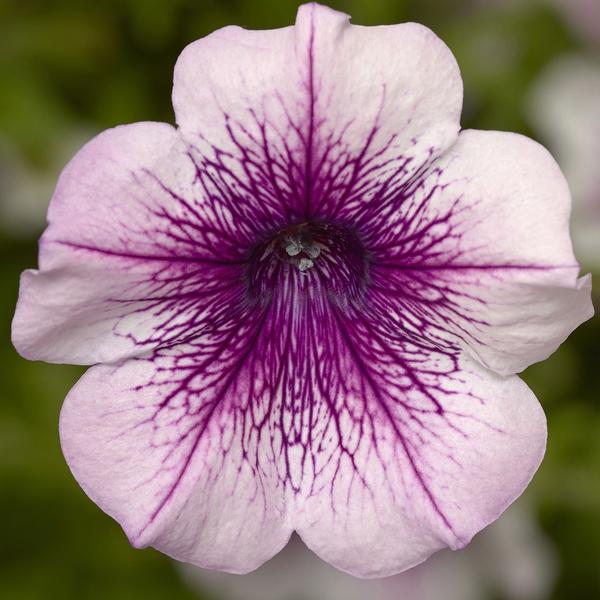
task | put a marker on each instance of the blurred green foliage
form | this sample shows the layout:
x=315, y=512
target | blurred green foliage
x=92, y=64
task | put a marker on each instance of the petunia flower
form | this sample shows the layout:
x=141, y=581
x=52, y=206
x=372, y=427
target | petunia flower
x=309, y=300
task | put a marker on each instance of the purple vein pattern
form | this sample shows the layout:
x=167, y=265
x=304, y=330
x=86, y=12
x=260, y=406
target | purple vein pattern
x=310, y=300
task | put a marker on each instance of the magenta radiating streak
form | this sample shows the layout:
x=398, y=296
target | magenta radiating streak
x=308, y=183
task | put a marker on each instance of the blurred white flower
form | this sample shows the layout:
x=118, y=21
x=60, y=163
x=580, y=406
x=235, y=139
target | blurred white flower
x=512, y=558
x=583, y=16
x=564, y=108
x=25, y=189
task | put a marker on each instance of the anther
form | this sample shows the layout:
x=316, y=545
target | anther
x=304, y=264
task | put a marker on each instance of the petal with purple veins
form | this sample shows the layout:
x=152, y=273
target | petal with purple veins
x=163, y=449
x=308, y=119
x=438, y=450
x=130, y=260
x=476, y=251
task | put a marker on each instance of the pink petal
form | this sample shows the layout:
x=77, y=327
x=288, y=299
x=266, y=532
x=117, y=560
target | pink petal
x=476, y=251
x=442, y=455
x=126, y=246
x=167, y=460
x=309, y=114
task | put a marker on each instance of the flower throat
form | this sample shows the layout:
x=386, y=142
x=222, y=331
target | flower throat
x=316, y=258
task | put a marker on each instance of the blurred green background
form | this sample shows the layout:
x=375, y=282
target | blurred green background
x=70, y=68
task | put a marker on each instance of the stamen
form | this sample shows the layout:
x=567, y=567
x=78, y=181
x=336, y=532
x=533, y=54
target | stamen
x=312, y=250
x=305, y=263
x=331, y=254
x=293, y=248
x=297, y=246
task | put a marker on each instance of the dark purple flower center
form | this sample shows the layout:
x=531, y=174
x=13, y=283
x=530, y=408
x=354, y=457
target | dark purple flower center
x=311, y=259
